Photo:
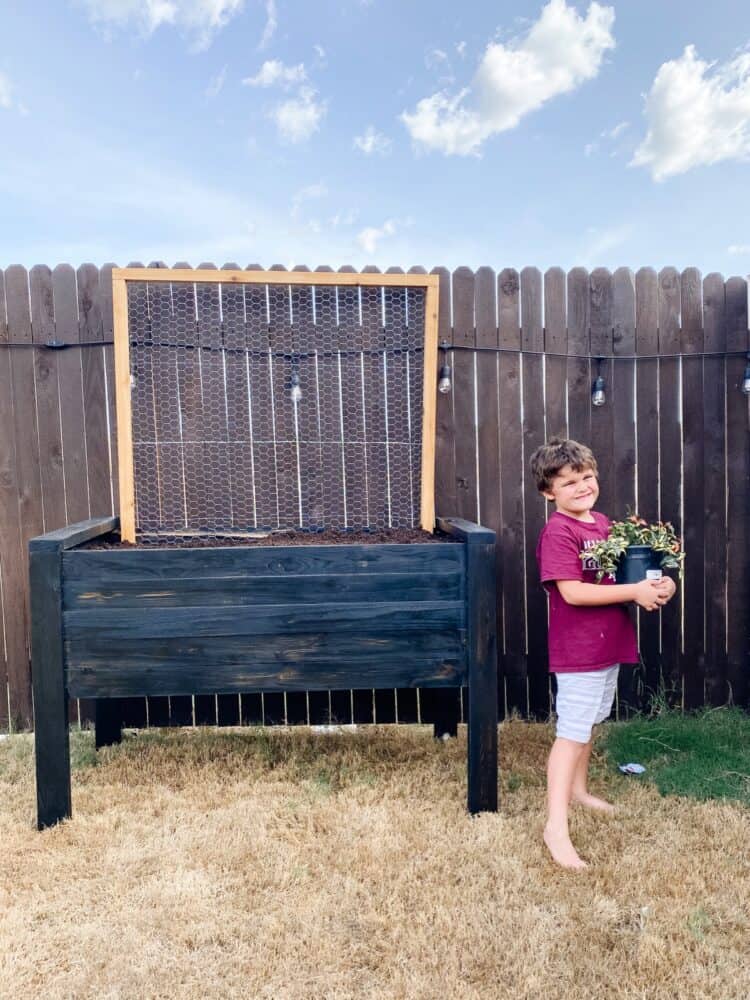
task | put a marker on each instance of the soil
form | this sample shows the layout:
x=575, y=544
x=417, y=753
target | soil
x=330, y=536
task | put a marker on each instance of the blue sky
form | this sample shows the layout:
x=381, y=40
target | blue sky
x=393, y=132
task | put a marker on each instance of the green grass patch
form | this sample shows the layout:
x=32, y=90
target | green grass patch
x=703, y=755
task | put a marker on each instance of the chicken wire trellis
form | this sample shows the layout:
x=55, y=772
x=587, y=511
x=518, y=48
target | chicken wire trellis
x=250, y=401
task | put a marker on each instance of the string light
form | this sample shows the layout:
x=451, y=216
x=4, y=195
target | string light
x=598, y=395
x=296, y=390
x=444, y=379
x=746, y=377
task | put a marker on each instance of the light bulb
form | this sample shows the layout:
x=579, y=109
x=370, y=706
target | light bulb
x=598, y=398
x=296, y=390
x=444, y=382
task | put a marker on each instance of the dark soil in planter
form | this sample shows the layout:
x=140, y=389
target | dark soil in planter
x=331, y=536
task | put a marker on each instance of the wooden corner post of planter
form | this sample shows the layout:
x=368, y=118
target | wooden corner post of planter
x=52, y=749
x=482, y=660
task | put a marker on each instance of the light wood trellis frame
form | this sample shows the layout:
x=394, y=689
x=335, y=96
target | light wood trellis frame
x=120, y=279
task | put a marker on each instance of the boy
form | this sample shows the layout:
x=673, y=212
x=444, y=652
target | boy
x=590, y=632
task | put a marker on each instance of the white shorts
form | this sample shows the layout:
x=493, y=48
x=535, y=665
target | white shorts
x=583, y=699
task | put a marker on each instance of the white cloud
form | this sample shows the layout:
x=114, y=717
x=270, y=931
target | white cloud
x=309, y=193
x=590, y=148
x=272, y=22
x=6, y=90
x=739, y=249
x=273, y=72
x=461, y=48
x=201, y=19
x=320, y=52
x=617, y=130
x=560, y=51
x=299, y=117
x=369, y=237
x=372, y=142
x=216, y=83
x=698, y=114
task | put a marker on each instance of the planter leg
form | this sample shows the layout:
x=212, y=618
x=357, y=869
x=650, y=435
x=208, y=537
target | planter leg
x=50, y=698
x=482, y=650
x=108, y=722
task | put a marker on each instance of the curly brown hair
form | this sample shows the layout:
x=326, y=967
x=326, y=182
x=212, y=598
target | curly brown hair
x=549, y=458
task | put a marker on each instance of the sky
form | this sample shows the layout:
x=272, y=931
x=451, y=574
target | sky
x=386, y=132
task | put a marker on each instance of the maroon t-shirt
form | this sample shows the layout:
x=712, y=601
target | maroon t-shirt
x=581, y=637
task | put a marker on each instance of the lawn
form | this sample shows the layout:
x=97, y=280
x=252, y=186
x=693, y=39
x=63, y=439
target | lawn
x=290, y=864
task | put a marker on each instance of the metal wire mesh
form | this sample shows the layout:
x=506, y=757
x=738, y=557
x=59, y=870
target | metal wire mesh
x=262, y=406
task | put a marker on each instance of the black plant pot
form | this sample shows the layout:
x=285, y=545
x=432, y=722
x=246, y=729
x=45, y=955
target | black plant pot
x=635, y=562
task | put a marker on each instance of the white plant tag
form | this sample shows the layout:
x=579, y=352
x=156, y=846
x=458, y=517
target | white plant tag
x=653, y=574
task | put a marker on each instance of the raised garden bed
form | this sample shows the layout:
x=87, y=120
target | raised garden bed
x=121, y=621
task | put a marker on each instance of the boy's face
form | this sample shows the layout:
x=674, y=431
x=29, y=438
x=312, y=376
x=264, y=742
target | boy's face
x=574, y=493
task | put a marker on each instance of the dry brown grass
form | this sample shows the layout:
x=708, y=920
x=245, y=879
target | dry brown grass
x=295, y=865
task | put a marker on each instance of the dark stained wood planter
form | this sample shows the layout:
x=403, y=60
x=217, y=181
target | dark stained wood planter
x=112, y=623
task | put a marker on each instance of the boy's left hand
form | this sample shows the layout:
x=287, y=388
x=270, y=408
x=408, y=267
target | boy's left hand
x=665, y=589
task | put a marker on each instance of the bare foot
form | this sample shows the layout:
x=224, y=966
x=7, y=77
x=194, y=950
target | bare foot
x=592, y=802
x=562, y=850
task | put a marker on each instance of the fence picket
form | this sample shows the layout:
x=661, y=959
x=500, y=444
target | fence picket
x=693, y=456
x=647, y=454
x=738, y=499
x=512, y=539
x=715, y=496
x=623, y=445
x=670, y=466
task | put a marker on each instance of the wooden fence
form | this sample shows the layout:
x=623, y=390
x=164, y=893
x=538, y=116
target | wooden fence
x=673, y=441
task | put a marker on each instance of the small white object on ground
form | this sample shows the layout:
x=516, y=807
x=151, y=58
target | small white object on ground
x=632, y=768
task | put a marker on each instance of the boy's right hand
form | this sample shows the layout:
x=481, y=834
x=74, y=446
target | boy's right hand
x=648, y=595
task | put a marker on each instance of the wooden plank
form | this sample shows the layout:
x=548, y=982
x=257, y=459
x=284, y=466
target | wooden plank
x=647, y=445
x=445, y=456
x=482, y=656
x=67, y=330
x=287, y=458
x=260, y=411
x=578, y=367
x=374, y=403
x=47, y=399
x=602, y=417
x=515, y=694
x=693, y=501
x=11, y=549
x=717, y=691
x=463, y=388
x=276, y=276
x=236, y=361
x=532, y=339
x=307, y=414
x=429, y=407
x=29, y=494
x=52, y=753
x=126, y=479
x=371, y=618
x=90, y=308
x=105, y=291
x=738, y=497
x=623, y=468
x=670, y=468
x=488, y=427
x=395, y=376
x=276, y=664
x=97, y=566
x=555, y=344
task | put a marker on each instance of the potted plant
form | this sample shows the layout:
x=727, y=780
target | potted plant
x=636, y=550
